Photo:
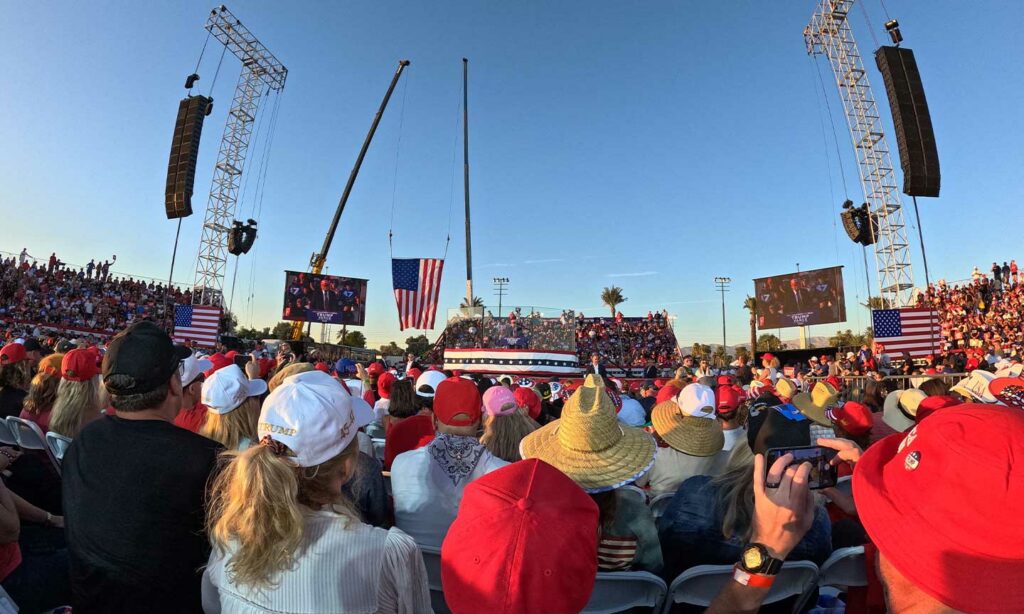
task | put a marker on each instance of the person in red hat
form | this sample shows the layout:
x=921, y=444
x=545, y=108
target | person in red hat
x=427, y=483
x=526, y=397
x=489, y=563
x=852, y=421
x=15, y=379
x=728, y=400
x=217, y=361
x=78, y=395
x=380, y=408
x=940, y=505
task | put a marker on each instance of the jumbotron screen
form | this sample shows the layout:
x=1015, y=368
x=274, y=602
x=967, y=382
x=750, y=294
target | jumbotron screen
x=324, y=298
x=800, y=299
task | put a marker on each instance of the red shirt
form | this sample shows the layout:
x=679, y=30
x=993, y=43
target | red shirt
x=409, y=434
x=191, y=419
x=10, y=558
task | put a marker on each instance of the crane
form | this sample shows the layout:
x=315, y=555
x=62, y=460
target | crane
x=829, y=34
x=319, y=259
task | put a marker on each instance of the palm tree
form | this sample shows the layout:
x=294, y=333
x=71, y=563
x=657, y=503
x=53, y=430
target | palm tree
x=750, y=304
x=477, y=302
x=613, y=298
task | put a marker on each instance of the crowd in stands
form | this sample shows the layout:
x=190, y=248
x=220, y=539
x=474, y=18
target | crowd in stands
x=53, y=295
x=628, y=343
x=204, y=483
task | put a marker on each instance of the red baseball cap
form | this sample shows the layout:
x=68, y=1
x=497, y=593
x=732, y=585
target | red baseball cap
x=724, y=380
x=634, y=387
x=375, y=368
x=667, y=393
x=457, y=396
x=12, y=353
x=527, y=398
x=384, y=384
x=413, y=374
x=943, y=502
x=929, y=405
x=853, y=417
x=524, y=541
x=219, y=362
x=79, y=366
x=767, y=356
x=322, y=366
x=727, y=399
x=658, y=383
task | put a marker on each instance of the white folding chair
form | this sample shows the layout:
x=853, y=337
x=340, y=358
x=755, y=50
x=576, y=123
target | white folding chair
x=58, y=445
x=432, y=561
x=659, y=503
x=845, y=568
x=700, y=585
x=30, y=437
x=618, y=591
x=7, y=436
x=635, y=491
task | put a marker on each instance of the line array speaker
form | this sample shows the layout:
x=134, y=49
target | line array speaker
x=859, y=223
x=919, y=154
x=181, y=168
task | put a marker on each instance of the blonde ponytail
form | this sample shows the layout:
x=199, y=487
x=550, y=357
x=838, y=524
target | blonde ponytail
x=258, y=504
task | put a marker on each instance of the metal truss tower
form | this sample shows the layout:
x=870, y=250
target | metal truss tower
x=829, y=34
x=261, y=74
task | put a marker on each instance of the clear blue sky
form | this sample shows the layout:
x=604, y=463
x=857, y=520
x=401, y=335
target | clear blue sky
x=645, y=144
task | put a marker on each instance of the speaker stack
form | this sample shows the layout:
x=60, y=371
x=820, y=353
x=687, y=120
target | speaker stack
x=181, y=169
x=919, y=155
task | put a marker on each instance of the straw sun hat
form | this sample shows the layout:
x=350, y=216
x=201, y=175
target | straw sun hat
x=589, y=444
x=688, y=423
x=816, y=403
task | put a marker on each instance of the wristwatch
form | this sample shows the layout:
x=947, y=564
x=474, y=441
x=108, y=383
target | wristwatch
x=756, y=567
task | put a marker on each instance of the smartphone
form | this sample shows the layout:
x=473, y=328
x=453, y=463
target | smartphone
x=823, y=474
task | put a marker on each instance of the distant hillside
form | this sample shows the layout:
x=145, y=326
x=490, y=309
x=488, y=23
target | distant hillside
x=792, y=344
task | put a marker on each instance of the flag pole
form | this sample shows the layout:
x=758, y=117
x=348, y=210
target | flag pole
x=465, y=179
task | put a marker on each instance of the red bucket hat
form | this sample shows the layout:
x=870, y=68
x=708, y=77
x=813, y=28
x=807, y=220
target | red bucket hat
x=943, y=502
x=456, y=396
x=524, y=541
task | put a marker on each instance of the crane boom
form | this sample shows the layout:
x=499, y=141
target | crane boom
x=317, y=261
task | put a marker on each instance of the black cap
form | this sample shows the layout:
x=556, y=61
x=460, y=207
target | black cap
x=65, y=346
x=31, y=345
x=145, y=354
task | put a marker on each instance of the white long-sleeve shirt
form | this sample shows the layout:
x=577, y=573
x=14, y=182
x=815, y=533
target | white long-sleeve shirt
x=342, y=566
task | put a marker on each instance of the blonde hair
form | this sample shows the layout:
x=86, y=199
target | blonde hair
x=74, y=401
x=231, y=428
x=502, y=434
x=43, y=390
x=288, y=371
x=258, y=502
x=735, y=493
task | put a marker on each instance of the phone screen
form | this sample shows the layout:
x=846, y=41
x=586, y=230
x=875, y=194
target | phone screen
x=823, y=474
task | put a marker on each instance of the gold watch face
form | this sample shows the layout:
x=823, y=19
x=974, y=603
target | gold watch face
x=752, y=558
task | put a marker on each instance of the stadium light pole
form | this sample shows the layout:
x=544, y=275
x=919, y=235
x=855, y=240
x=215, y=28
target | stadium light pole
x=723, y=286
x=499, y=290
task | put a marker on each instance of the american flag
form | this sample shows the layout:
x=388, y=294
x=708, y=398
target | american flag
x=198, y=323
x=417, y=283
x=915, y=330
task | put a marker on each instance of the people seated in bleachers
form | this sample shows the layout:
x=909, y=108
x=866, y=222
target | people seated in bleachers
x=126, y=476
x=590, y=445
x=232, y=403
x=427, y=483
x=78, y=394
x=285, y=539
x=709, y=519
x=693, y=440
x=490, y=564
x=506, y=423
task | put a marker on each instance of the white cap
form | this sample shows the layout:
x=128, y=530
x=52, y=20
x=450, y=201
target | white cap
x=191, y=367
x=313, y=415
x=697, y=400
x=228, y=388
x=976, y=385
x=429, y=378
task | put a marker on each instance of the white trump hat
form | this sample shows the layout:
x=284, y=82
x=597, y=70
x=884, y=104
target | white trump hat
x=228, y=388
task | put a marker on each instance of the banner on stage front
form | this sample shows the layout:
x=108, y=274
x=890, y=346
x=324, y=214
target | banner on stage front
x=326, y=299
x=800, y=299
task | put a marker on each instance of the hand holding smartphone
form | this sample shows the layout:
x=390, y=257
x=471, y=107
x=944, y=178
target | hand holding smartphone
x=823, y=473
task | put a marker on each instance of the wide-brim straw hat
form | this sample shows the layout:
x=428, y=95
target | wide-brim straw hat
x=589, y=444
x=688, y=434
x=814, y=404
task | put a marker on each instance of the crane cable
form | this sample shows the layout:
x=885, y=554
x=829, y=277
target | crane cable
x=394, y=180
x=451, y=189
x=200, y=60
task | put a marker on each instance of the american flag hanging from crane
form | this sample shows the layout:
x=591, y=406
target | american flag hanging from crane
x=417, y=283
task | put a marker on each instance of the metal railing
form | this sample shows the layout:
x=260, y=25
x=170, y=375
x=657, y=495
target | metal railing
x=892, y=382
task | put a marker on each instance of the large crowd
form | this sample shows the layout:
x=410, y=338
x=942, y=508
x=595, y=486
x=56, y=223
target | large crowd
x=177, y=482
x=628, y=343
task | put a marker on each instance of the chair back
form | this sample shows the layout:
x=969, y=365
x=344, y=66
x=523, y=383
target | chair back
x=700, y=585
x=845, y=568
x=619, y=591
x=659, y=503
x=7, y=436
x=432, y=561
x=58, y=445
x=378, y=449
x=30, y=437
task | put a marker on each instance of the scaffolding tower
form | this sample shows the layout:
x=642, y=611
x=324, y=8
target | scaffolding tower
x=261, y=74
x=829, y=34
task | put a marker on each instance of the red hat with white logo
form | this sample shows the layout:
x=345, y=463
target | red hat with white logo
x=852, y=417
x=454, y=397
x=943, y=505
